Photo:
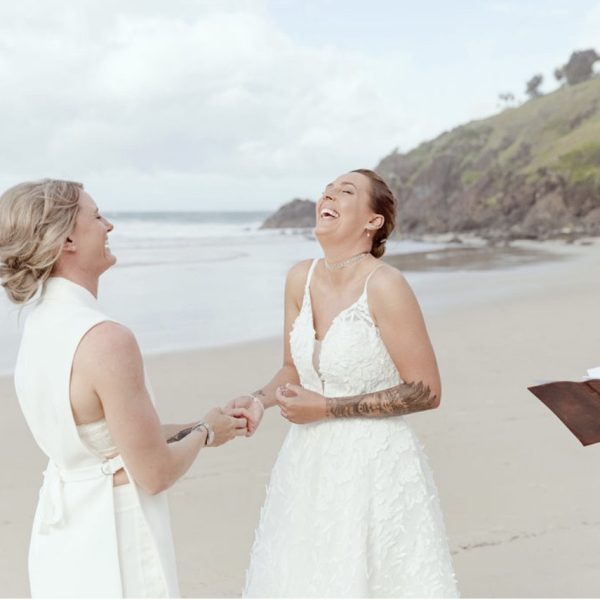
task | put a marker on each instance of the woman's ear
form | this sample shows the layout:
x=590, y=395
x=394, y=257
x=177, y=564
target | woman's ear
x=376, y=222
x=69, y=245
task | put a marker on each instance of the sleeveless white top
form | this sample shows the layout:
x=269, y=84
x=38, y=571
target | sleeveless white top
x=74, y=549
x=351, y=508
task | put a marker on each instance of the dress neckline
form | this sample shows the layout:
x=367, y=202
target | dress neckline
x=308, y=299
x=339, y=314
x=307, y=310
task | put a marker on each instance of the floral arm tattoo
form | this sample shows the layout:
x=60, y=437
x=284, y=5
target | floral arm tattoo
x=400, y=400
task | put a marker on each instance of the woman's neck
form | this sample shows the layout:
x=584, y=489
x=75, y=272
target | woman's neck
x=338, y=253
x=341, y=265
x=85, y=280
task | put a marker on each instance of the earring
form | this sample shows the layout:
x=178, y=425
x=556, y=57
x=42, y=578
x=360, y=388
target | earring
x=368, y=234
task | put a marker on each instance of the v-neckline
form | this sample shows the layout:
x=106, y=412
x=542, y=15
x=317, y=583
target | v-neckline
x=308, y=298
x=317, y=367
x=333, y=321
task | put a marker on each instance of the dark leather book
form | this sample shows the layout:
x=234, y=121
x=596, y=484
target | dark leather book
x=576, y=404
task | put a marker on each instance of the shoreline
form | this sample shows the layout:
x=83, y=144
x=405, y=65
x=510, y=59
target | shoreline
x=471, y=254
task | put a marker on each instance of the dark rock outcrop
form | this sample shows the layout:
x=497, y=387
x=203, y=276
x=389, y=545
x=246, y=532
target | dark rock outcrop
x=297, y=213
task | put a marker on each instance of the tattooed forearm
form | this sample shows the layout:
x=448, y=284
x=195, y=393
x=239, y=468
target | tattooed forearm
x=400, y=400
x=180, y=434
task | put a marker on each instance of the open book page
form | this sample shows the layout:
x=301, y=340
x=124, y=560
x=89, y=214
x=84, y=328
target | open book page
x=593, y=373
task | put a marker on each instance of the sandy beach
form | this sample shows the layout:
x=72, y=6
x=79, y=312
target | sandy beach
x=521, y=496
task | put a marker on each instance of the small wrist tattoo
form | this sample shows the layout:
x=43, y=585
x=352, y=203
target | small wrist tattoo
x=180, y=434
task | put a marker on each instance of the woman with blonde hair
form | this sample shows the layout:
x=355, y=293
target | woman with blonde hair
x=351, y=510
x=101, y=528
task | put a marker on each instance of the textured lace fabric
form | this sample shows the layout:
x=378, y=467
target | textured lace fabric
x=351, y=509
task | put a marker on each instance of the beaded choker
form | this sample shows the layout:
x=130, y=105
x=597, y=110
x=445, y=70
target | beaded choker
x=345, y=263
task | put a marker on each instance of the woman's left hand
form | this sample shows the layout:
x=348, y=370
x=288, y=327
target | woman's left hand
x=299, y=405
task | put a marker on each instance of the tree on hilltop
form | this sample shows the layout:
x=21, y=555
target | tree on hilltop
x=507, y=99
x=580, y=67
x=533, y=85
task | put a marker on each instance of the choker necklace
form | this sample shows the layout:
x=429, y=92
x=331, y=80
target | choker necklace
x=345, y=263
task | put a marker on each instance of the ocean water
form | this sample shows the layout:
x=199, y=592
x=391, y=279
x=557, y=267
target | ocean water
x=192, y=280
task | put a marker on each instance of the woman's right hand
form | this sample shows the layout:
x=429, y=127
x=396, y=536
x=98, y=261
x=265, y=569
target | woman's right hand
x=253, y=410
x=225, y=427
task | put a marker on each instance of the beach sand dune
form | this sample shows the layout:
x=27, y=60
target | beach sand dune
x=521, y=496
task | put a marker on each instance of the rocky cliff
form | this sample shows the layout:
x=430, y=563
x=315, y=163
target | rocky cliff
x=297, y=213
x=531, y=171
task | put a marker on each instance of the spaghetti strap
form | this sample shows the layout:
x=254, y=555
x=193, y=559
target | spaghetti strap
x=369, y=277
x=310, y=273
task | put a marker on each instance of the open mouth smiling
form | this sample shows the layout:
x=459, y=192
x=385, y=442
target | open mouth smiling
x=329, y=214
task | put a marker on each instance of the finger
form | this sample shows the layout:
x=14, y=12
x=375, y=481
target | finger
x=295, y=389
x=285, y=391
x=280, y=397
x=239, y=422
x=240, y=433
x=242, y=401
x=233, y=420
x=241, y=412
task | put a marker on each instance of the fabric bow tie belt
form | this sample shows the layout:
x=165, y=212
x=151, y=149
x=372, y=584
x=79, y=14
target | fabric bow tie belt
x=51, y=495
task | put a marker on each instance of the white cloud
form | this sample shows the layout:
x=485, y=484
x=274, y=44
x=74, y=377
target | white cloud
x=210, y=100
x=204, y=104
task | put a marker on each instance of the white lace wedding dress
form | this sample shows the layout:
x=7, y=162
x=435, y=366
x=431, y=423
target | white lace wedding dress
x=351, y=508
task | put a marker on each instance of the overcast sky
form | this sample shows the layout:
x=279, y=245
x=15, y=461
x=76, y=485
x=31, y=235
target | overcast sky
x=233, y=105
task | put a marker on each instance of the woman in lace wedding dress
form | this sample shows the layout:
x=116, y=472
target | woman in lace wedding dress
x=351, y=509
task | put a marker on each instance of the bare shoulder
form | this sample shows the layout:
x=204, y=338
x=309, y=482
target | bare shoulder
x=390, y=294
x=388, y=280
x=108, y=343
x=296, y=277
x=299, y=271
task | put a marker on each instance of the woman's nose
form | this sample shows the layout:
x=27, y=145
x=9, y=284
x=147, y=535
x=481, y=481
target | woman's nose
x=109, y=226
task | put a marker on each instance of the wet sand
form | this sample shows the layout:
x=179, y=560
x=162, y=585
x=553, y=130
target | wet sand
x=471, y=258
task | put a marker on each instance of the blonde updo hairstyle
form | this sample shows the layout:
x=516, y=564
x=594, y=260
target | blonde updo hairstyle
x=36, y=218
x=383, y=203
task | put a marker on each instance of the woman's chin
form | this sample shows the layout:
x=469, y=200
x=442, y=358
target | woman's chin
x=111, y=259
x=324, y=228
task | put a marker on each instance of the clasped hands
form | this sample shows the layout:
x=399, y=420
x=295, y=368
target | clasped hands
x=296, y=404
